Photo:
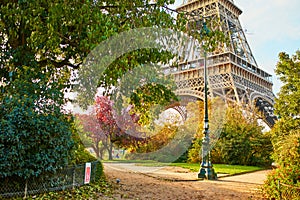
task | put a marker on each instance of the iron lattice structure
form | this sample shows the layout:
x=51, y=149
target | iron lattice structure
x=233, y=72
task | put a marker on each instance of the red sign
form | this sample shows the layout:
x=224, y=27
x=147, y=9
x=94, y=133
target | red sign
x=87, y=174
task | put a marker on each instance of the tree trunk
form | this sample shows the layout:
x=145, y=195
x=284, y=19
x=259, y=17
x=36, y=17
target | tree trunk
x=101, y=153
x=96, y=149
x=97, y=152
x=110, y=156
x=110, y=148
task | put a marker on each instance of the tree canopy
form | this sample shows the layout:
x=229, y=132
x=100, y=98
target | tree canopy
x=40, y=43
x=58, y=34
x=242, y=143
x=288, y=101
x=286, y=132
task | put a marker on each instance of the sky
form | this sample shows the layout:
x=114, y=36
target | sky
x=273, y=26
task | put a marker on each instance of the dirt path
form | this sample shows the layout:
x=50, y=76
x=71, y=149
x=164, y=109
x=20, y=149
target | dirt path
x=176, y=183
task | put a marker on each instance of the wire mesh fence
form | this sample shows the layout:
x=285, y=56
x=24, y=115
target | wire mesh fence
x=288, y=192
x=69, y=177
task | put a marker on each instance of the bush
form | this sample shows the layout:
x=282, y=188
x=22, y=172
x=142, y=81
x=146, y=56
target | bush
x=35, y=132
x=166, y=146
x=287, y=156
x=241, y=143
x=79, y=153
x=194, y=151
x=286, y=133
x=246, y=148
x=32, y=143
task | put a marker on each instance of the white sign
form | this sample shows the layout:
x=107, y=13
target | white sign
x=87, y=174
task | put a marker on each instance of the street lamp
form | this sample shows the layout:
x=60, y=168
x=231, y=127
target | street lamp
x=206, y=171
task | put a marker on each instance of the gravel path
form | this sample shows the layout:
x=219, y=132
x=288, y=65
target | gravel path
x=137, y=182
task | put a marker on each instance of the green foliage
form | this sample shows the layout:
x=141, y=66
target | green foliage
x=56, y=34
x=194, y=151
x=35, y=134
x=287, y=156
x=288, y=101
x=148, y=89
x=159, y=140
x=83, y=135
x=79, y=153
x=242, y=141
x=285, y=134
x=40, y=42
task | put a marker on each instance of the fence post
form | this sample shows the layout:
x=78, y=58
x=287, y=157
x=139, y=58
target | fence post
x=95, y=169
x=279, y=190
x=74, y=176
x=26, y=189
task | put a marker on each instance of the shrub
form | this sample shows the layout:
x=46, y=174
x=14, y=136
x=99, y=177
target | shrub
x=286, y=133
x=287, y=156
x=79, y=153
x=193, y=153
x=241, y=143
x=35, y=131
x=32, y=143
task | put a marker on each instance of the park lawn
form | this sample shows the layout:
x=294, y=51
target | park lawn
x=220, y=168
x=155, y=163
x=194, y=167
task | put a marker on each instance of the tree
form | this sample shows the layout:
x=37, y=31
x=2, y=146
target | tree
x=40, y=42
x=91, y=133
x=286, y=106
x=242, y=143
x=57, y=34
x=167, y=142
x=216, y=111
x=62, y=33
x=106, y=121
x=231, y=142
x=285, y=134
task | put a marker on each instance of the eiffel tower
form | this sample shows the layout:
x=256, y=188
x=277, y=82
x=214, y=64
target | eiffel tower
x=233, y=73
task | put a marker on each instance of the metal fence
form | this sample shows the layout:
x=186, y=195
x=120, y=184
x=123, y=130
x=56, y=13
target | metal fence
x=69, y=177
x=288, y=192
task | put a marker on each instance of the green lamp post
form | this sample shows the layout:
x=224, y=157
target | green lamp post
x=206, y=171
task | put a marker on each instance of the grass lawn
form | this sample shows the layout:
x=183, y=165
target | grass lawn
x=131, y=161
x=194, y=167
x=220, y=168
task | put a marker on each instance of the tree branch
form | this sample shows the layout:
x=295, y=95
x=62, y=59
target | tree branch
x=59, y=64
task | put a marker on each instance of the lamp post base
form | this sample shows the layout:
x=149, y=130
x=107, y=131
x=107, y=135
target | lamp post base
x=207, y=173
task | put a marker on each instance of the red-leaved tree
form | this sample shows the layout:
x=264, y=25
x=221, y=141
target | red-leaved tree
x=105, y=128
x=121, y=129
x=107, y=122
x=93, y=131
